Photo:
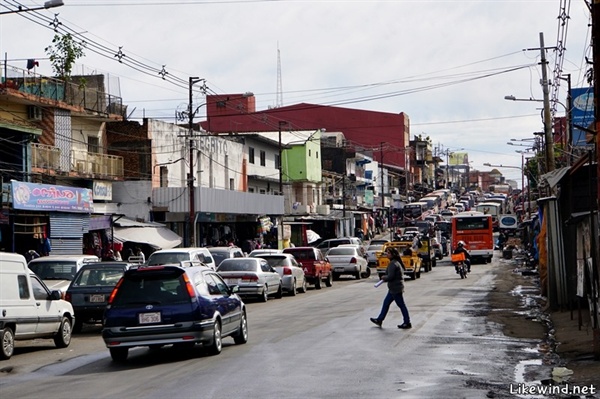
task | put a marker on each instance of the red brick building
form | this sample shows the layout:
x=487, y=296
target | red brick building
x=236, y=113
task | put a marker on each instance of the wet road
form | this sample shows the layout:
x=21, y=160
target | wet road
x=315, y=345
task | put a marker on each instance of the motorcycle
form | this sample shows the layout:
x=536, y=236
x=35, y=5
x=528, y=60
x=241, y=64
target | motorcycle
x=458, y=260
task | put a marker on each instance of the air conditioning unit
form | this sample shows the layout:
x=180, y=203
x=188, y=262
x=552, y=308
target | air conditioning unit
x=34, y=113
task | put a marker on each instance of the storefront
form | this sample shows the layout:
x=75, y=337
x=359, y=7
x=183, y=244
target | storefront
x=49, y=219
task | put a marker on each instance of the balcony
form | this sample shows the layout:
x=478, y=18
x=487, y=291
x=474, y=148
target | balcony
x=44, y=157
x=85, y=92
x=96, y=165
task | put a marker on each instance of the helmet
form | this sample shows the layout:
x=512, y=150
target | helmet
x=461, y=244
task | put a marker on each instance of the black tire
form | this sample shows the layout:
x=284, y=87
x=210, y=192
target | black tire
x=62, y=338
x=318, y=283
x=329, y=280
x=279, y=293
x=413, y=276
x=78, y=325
x=241, y=337
x=367, y=273
x=264, y=297
x=119, y=355
x=216, y=345
x=7, y=339
x=357, y=275
x=419, y=274
x=304, y=288
x=293, y=292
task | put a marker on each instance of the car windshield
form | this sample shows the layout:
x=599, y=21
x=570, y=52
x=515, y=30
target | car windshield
x=167, y=258
x=374, y=247
x=342, y=251
x=275, y=261
x=303, y=254
x=106, y=276
x=244, y=265
x=219, y=256
x=54, y=270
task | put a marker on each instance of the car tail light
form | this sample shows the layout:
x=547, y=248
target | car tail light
x=287, y=270
x=250, y=278
x=188, y=285
x=353, y=260
x=68, y=297
x=114, y=292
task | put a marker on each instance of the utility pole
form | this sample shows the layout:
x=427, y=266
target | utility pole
x=280, y=229
x=547, y=116
x=381, y=168
x=191, y=174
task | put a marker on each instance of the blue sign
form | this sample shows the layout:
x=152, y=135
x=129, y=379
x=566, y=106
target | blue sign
x=47, y=197
x=582, y=114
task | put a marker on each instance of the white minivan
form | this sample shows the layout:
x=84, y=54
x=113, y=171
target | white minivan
x=28, y=309
x=57, y=271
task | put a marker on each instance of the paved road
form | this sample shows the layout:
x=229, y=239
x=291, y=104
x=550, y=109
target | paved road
x=315, y=345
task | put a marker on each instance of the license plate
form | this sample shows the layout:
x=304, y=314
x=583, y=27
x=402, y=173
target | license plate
x=232, y=281
x=338, y=269
x=147, y=318
x=96, y=298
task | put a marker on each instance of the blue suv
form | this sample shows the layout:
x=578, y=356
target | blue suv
x=170, y=304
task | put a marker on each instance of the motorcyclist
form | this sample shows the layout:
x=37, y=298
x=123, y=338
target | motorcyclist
x=460, y=248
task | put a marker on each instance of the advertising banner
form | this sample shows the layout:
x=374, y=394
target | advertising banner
x=458, y=158
x=47, y=197
x=582, y=114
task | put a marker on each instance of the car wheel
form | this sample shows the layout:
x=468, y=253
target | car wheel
x=419, y=274
x=265, y=294
x=78, y=326
x=293, y=290
x=413, y=276
x=62, y=339
x=216, y=346
x=357, y=275
x=367, y=273
x=241, y=337
x=303, y=288
x=7, y=337
x=279, y=293
x=329, y=281
x=318, y=283
x=119, y=355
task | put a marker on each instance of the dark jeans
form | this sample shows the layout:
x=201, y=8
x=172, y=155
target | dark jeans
x=387, y=301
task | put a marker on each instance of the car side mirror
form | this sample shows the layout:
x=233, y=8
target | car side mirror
x=55, y=295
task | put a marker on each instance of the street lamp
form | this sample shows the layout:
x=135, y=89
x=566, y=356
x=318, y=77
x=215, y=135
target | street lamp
x=48, y=4
x=547, y=120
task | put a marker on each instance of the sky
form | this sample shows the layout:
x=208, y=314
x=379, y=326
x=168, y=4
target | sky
x=447, y=64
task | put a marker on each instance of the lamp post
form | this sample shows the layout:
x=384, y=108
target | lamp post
x=48, y=4
x=191, y=175
x=280, y=229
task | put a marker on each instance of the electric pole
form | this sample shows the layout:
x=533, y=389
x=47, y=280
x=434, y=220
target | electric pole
x=547, y=116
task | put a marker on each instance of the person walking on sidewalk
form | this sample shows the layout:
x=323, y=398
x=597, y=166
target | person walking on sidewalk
x=395, y=282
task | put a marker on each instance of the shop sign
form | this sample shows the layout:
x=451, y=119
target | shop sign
x=102, y=190
x=47, y=197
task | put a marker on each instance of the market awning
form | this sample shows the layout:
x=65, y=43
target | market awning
x=153, y=234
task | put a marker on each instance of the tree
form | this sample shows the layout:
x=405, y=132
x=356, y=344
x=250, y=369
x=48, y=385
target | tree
x=63, y=53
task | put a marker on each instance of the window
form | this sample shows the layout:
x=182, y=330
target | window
x=93, y=145
x=39, y=291
x=277, y=161
x=263, y=158
x=231, y=184
x=164, y=176
x=263, y=191
x=250, y=189
x=251, y=154
x=23, y=287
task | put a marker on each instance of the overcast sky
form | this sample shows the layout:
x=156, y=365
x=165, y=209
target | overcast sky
x=446, y=64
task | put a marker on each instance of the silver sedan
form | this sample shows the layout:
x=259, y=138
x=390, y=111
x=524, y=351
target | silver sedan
x=347, y=259
x=253, y=276
x=291, y=272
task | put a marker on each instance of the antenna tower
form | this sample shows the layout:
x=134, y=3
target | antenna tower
x=279, y=99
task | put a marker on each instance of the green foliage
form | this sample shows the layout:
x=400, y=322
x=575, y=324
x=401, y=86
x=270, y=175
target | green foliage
x=63, y=52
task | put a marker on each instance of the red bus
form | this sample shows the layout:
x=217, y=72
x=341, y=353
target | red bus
x=475, y=229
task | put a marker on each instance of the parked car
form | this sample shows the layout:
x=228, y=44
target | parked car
x=316, y=267
x=324, y=246
x=378, y=241
x=264, y=251
x=90, y=289
x=347, y=259
x=290, y=271
x=254, y=276
x=57, y=271
x=176, y=255
x=162, y=305
x=29, y=310
x=372, y=253
x=221, y=253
